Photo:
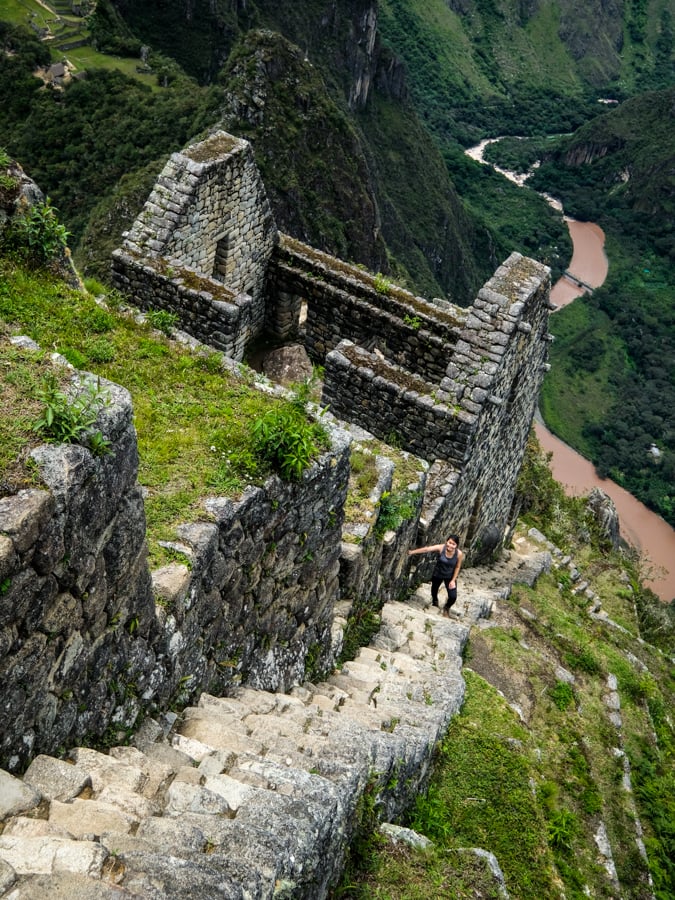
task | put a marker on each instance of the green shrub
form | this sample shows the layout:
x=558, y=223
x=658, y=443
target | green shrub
x=362, y=624
x=162, y=320
x=382, y=284
x=36, y=234
x=286, y=440
x=561, y=829
x=100, y=350
x=68, y=419
x=364, y=468
x=395, y=508
x=583, y=660
x=7, y=182
x=95, y=287
x=562, y=695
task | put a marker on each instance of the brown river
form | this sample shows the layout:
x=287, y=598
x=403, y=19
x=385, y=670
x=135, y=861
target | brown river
x=640, y=527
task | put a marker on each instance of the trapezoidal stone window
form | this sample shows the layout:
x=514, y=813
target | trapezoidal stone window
x=223, y=264
x=515, y=389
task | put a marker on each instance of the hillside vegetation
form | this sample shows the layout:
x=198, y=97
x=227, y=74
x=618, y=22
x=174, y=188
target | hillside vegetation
x=535, y=768
x=383, y=198
x=200, y=437
x=611, y=391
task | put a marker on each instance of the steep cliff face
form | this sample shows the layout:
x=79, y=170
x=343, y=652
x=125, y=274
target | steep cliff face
x=312, y=159
x=371, y=189
x=630, y=156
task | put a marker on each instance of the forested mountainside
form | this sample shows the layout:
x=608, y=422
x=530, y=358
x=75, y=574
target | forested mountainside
x=330, y=183
x=612, y=387
x=358, y=112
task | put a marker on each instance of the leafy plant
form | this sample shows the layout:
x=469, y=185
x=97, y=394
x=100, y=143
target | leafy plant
x=561, y=829
x=583, y=659
x=286, y=440
x=37, y=234
x=98, y=444
x=68, y=418
x=395, y=508
x=100, y=350
x=364, y=468
x=362, y=624
x=162, y=320
x=562, y=695
x=413, y=321
x=382, y=283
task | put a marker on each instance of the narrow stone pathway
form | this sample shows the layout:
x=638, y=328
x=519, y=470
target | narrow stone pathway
x=255, y=795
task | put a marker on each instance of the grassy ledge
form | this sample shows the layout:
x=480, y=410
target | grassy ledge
x=194, y=418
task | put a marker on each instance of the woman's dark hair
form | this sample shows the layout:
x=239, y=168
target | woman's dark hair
x=453, y=537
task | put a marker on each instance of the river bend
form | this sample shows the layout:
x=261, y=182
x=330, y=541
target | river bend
x=640, y=527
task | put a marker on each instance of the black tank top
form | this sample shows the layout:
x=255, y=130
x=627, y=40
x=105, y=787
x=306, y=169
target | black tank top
x=445, y=565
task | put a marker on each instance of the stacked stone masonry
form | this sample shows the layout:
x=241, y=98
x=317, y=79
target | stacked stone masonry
x=201, y=246
x=457, y=388
x=91, y=640
x=345, y=303
x=254, y=795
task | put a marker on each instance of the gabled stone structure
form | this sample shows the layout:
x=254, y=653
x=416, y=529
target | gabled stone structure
x=453, y=386
x=202, y=244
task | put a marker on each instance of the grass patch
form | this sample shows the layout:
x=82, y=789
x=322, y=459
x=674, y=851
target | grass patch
x=480, y=795
x=400, y=873
x=22, y=374
x=194, y=419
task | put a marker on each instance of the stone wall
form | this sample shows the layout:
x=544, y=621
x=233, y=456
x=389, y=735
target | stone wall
x=474, y=423
x=496, y=374
x=76, y=607
x=206, y=309
x=457, y=387
x=257, y=598
x=344, y=302
x=207, y=219
x=396, y=405
x=91, y=641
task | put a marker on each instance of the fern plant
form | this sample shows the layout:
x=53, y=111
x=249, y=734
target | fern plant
x=286, y=440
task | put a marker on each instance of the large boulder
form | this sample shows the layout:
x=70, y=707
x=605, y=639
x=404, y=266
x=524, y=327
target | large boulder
x=288, y=365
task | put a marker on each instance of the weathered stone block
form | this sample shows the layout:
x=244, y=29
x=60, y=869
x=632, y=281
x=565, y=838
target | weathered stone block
x=16, y=796
x=56, y=779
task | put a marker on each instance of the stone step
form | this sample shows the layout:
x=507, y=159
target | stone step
x=247, y=795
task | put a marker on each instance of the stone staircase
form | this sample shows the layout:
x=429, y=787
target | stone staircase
x=255, y=795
